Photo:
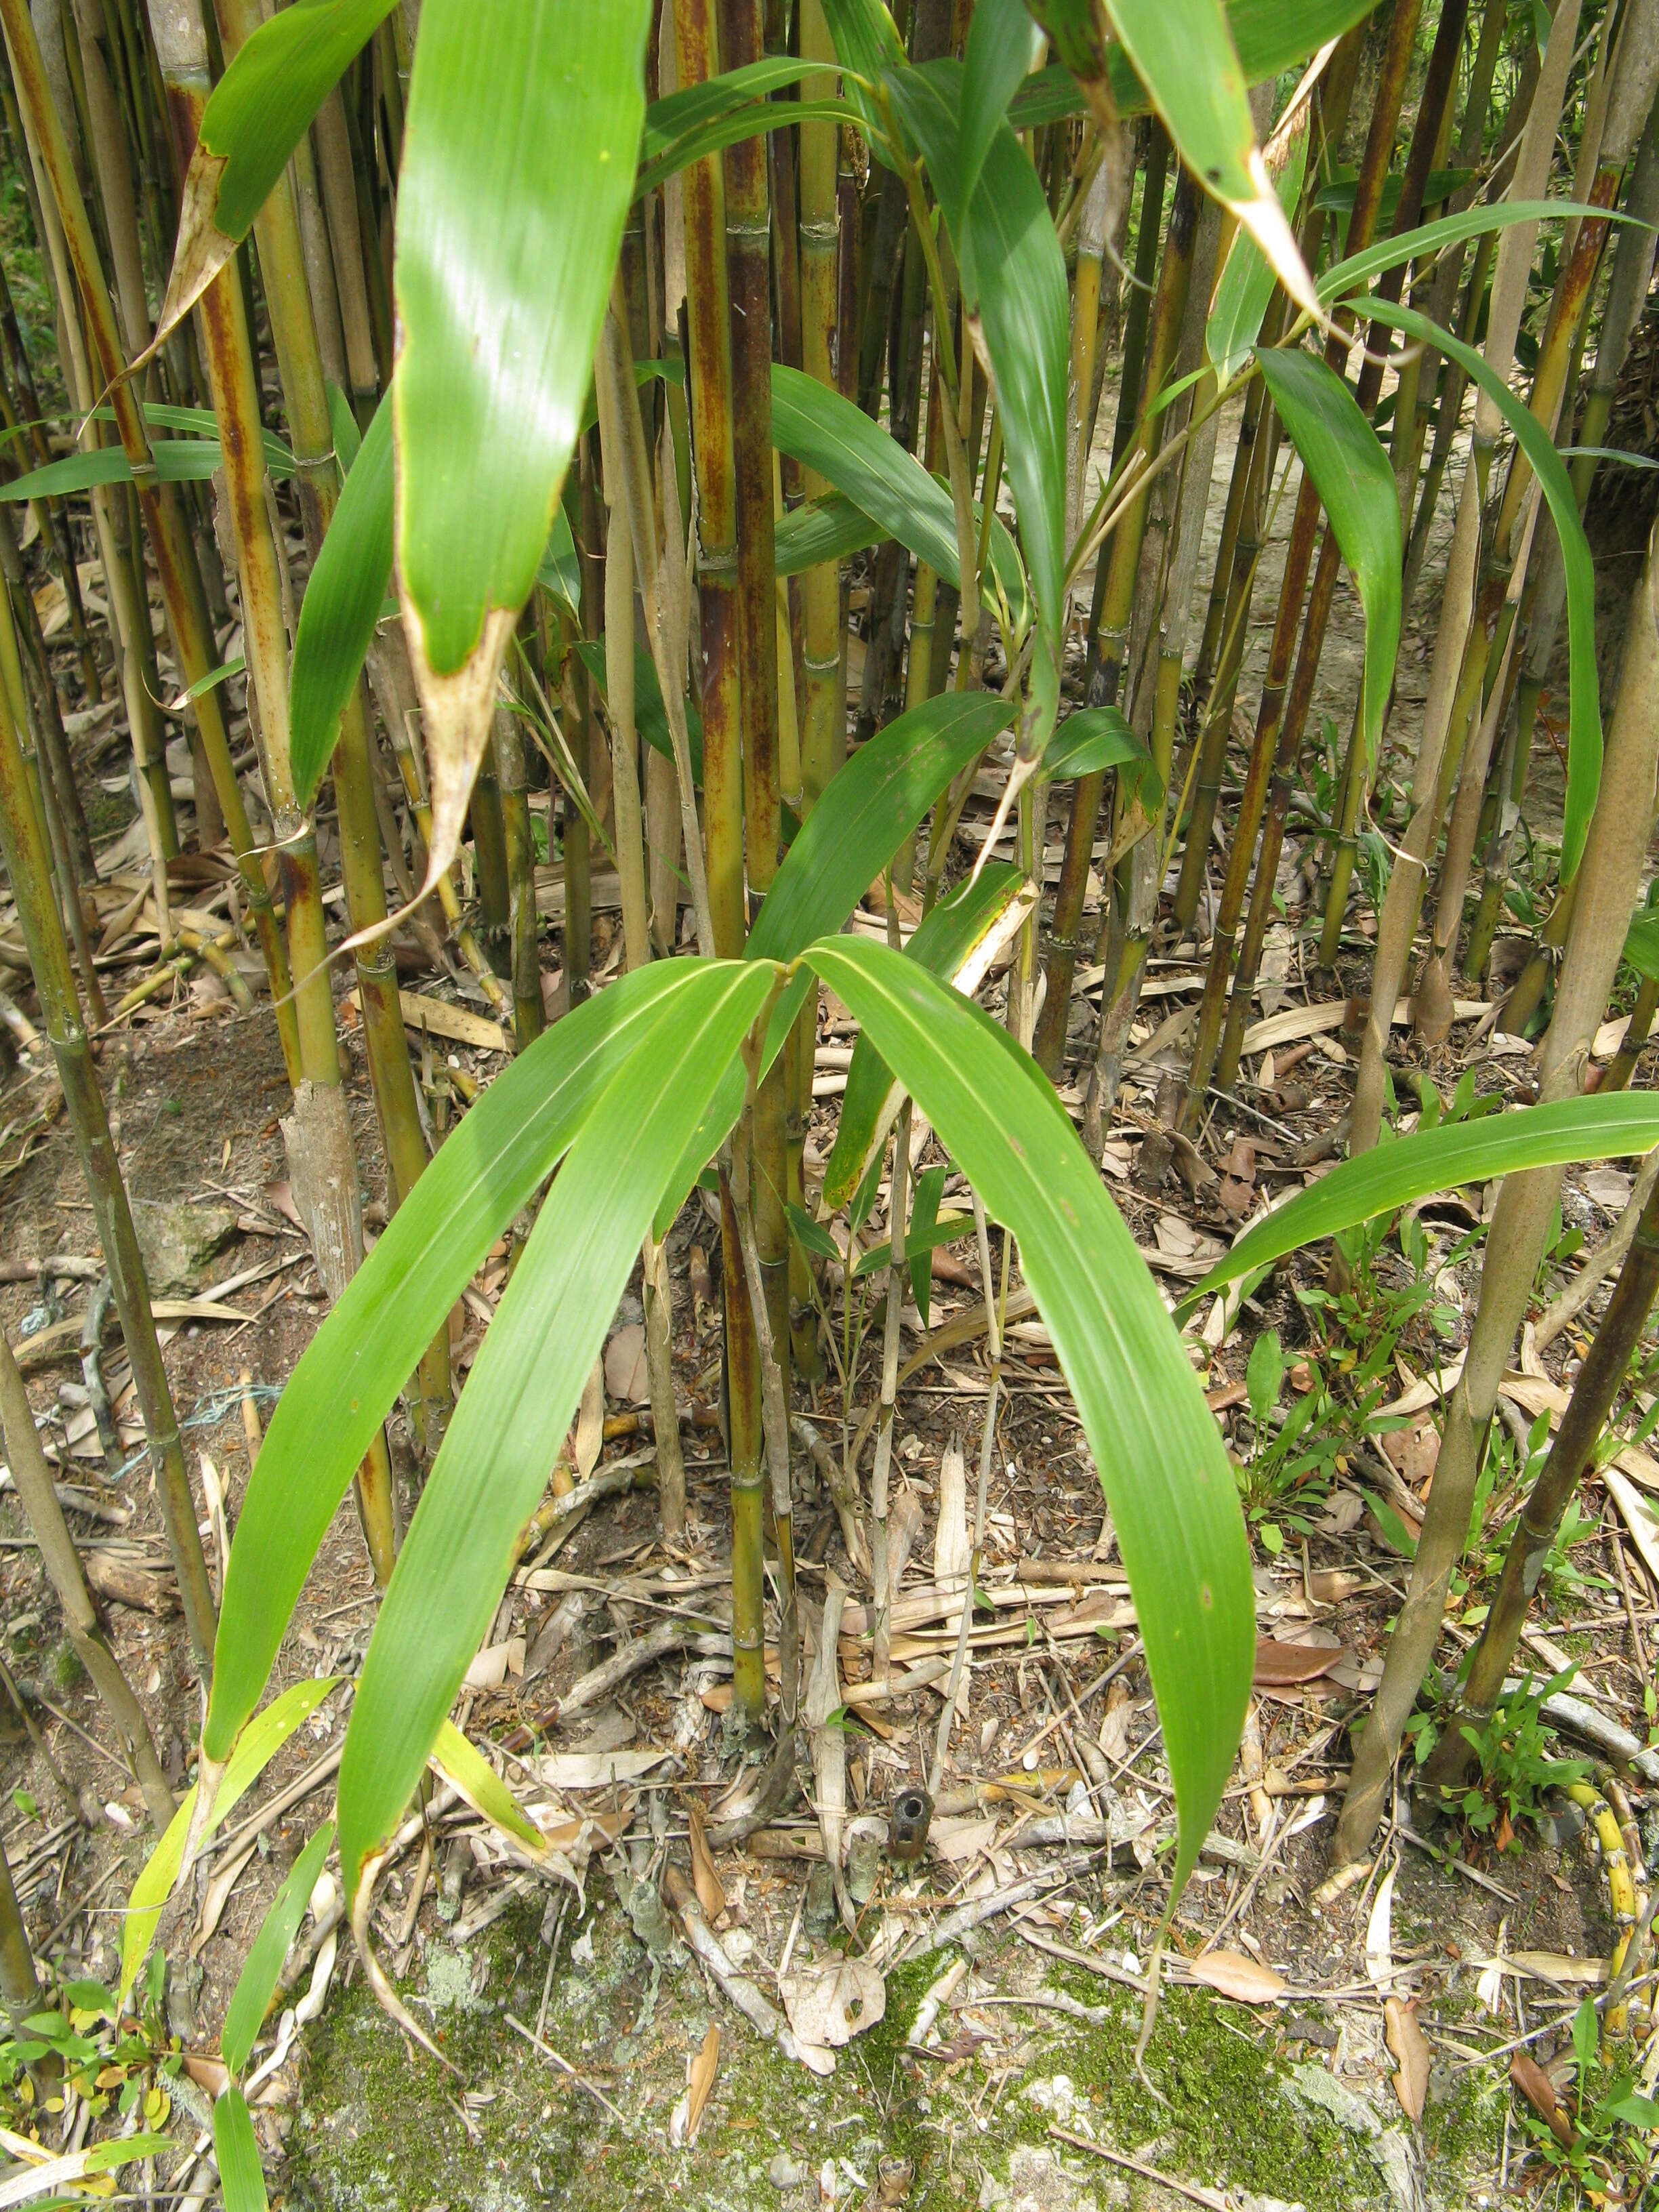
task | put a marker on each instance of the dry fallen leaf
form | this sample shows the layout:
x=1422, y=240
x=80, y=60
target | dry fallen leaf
x=827, y=2005
x=1411, y=2083
x=1277, y=1664
x=1237, y=1975
x=1115, y=1727
x=1535, y=2085
x=711, y=1891
x=627, y=1381
x=687, y=2116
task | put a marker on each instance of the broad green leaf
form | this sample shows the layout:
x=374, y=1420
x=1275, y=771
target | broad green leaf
x=650, y=716
x=820, y=530
x=342, y=605
x=677, y=114
x=1183, y=52
x=348, y=438
x=1455, y=1152
x=1166, y=1478
x=710, y=1133
x=255, y=117
x=488, y=1166
x=1003, y=44
x=867, y=44
x=1584, y=705
x=121, y=2150
x=251, y=1999
x=825, y=432
x=461, y=1762
x=1013, y=271
x=560, y=569
x=811, y=1236
x=253, y=1752
x=1447, y=230
x=1641, y=944
x=493, y=1463
x=1246, y=282
x=522, y=133
x=925, y=1232
x=1352, y=475
x=178, y=460
x=922, y=1239
x=747, y=117
x=1093, y=739
x=1338, y=196
x=858, y=825
x=952, y=941
x=236, y=2149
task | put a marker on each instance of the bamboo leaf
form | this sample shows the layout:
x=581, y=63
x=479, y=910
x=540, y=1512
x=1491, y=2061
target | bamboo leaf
x=1453, y=1153
x=1584, y=706
x=826, y=433
x=255, y=117
x=650, y=716
x=1246, y=282
x=251, y=1999
x=1166, y=1478
x=1095, y=738
x=747, y=117
x=348, y=438
x=925, y=1230
x=561, y=571
x=1003, y=44
x=258, y=1745
x=342, y=605
x=953, y=940
x=1351, y=475
x=506, y=243
x=820, y=530
x=495, y=1460
x=178, y=460
x=460, y=1761
x=236, y=2149
x=867, y=44
x=487, y=1167
x=1183, y=52
x=1449, y=230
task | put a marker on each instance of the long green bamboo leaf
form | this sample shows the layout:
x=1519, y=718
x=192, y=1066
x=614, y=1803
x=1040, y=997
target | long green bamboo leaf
x=1183, y=52
x=488, y=1167
x=342, y=605
x=1448, y=230
x=178, y=460
x=677, y=114
x=461, y=1762
x=747, y=119
x=945, y=943
x=820, y=530
x=236, y=2149
x=1166, y=1478
x=1003, y=43
x=650, y=716
x=495, y=1458
x=522, y=134
x=1392, y=1175
x=255, y=117
x=1584, y=705
x=1013, y=272
x=257, y=1746
x=1352, y=475
x=1094, y=739
x=826, y=433
x=256, y=1984
x=867, y=44
x=1246, y=282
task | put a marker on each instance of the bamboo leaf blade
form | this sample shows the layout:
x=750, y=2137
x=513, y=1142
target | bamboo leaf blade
x=341, y=609
x=1002, y=44
x=946, y=941
x=371, y=1340
x=1354, y=478
x=256, y=1984
x=1441, y=1158
x=1246, y=283
x=495, y=1461
x=236, y=2151
x=506, y=246
x=1584, y=705
x=1166, y=1478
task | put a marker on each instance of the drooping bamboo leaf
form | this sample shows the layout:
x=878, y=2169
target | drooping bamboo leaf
x=1453, y=1153
x=1429, y=238
x=828, y=434
x=351, y=1371
x=821, y=529
x=1352, y=475
x=1642, y=943
x=255, y=117
x=255, y=1986
x=1584, y=704
x=1246, y=282
x=925, y=1230
x=1183, y=52
x=954, y=941
x=858, y=825
x=1003, y=44
x=178, y=460
x=342, y=605
x=236, y=2149
x=561, y=571
x=522, y=134
x=1095, y=738
x=460, y=1762
x=348, y=438
x=258, y=1745
x=678, y=113
x=495, y=1457
x=650, y=716
x=1166, y=1478
x=866, y=45
x=1338, y=196
x=711, y=1133
x=731, y=122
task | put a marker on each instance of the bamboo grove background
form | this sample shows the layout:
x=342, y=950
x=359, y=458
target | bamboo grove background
x=711, y=447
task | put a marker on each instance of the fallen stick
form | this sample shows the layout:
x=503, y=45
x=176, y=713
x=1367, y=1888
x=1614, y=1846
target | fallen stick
x=757, y=2009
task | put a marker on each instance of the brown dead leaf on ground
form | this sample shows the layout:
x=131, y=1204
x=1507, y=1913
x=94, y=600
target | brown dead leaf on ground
x=1411, y=2083
x=687, y=2116
x=1535, y=2085
x=1244, y=1979
x=711, y=1891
